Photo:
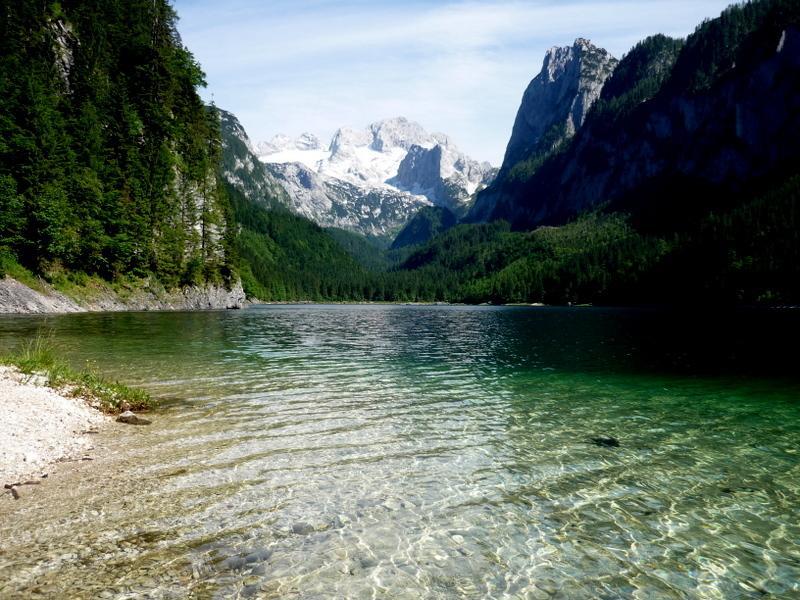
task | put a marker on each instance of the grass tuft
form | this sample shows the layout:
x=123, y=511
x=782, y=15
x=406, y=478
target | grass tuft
x=39, y=356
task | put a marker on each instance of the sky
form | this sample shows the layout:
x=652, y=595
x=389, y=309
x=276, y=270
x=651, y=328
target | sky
x=457, y=67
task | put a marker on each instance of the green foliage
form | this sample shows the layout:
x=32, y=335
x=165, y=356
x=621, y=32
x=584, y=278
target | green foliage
x=750, y=254
x=552, y=143
x=286, y=257
x=371, y=253
x=9, y=266
x=638, y=78
x=428, y=222
x=719, y=44
x=594, y=259
x=108, y=157
x=746, y=254
x=39, y=356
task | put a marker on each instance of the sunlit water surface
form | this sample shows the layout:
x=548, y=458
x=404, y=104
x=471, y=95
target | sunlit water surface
x=424, y=452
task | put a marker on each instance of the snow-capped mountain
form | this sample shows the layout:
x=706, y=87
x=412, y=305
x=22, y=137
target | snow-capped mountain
x=331, y=202
x=373, y=180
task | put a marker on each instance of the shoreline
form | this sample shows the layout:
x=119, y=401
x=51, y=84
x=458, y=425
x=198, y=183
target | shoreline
x=41, y=427
x=17, y=297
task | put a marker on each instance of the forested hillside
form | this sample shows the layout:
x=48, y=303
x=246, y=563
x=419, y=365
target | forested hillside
x=108, y=157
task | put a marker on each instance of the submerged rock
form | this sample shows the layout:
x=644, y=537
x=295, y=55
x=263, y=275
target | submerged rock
x=606, y=442
x=302, y=528
x=132, y=419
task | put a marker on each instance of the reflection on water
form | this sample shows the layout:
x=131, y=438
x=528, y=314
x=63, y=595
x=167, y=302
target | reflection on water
x=437, y=452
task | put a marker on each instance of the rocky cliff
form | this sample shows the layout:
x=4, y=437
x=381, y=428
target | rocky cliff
x=242, y=169
x=676, y=141
x=553, y=108
x=145, y=295
x=447, y=177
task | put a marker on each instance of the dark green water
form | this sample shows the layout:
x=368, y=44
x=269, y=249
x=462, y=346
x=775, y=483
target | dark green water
x=426, y=452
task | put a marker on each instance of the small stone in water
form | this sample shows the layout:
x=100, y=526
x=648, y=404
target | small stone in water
x=258, y=556
x=302, y=528
x=132, y=419
x=606, y=442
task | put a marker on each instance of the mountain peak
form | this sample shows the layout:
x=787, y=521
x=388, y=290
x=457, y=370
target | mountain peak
x=560, y=96
x=282, y=143
x=387, y=168
x=398, y=132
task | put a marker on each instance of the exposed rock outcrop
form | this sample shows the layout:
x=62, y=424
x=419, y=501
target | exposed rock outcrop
x=697, y=141
x=553, y=108
x=242, y=169
x=447, y=177
x=18, y=298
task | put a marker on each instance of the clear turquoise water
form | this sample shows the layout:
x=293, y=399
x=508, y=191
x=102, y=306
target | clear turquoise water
x=425, y=452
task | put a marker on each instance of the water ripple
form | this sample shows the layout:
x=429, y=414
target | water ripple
x=411, y=452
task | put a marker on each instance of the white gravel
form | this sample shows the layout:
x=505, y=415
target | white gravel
x=39, y=426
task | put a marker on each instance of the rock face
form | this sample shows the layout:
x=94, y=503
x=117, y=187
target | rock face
x=442, y=174
x=558, y=99
x=18, y=298
x=374, y=180
x=333, y=202
x=553, y=108
x=242, y=169
x=698, y=138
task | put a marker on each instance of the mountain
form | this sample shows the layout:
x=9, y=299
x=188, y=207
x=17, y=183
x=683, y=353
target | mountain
x=682, y=184
x=373, y=180
x=426, y=224
x=683, y=128
x=331, y=202
x=442, y=174
x=553, y=108
x=242, y=169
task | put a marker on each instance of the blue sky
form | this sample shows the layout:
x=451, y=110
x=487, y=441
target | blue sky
x=458, y=67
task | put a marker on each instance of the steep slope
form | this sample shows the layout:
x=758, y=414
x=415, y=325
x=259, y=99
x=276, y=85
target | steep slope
x=108, y=157
x=426, y=224
x=722, y=124
x=242, y=169
x=286, y=257
x=682, y=185
x=374, y=180
x=442, y=174
x=553, y=108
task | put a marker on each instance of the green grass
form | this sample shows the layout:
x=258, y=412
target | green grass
x=38, y=356
x=9, y=266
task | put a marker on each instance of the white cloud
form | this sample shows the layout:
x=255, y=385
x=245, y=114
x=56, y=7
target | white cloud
x=457, y=67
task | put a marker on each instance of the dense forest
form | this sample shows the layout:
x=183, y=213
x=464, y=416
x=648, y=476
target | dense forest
x=108, y=157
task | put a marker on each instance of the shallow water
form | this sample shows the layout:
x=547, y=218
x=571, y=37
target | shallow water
x=425, y=452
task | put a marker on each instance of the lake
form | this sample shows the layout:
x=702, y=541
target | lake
x=425, y=452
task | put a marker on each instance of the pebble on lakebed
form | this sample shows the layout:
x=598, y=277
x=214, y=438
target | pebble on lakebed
x=132, y=419
x=606, y=442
